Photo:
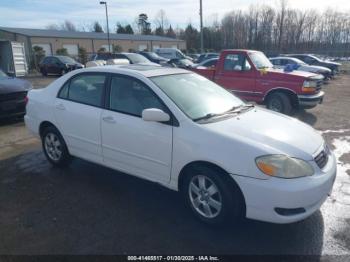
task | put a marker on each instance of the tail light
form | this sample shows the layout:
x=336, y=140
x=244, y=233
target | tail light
x=26, y=100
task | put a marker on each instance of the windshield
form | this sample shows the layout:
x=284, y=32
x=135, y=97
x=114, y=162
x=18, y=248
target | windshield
x=2, y=75
x=196, y=96
x=260, y=60
x=136, y=58
x=66, y=59
x=154, y=55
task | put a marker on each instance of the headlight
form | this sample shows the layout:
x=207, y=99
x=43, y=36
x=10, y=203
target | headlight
x=284, y=166
x=309, y=87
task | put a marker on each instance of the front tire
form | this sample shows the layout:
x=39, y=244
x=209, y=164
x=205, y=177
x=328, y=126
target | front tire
x=55, y=148
x=280, y=102
x=210, y=197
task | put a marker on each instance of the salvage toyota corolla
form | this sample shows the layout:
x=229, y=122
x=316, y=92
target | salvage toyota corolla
x=229, y=159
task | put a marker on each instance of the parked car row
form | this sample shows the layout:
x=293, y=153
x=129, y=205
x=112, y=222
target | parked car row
x=282, y=83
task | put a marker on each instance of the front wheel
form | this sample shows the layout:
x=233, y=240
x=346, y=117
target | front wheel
x=280, y=102
x=210, y=197
x=55, y=148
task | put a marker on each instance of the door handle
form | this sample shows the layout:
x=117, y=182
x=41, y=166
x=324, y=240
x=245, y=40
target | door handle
x=109, y=119
x=60, y=107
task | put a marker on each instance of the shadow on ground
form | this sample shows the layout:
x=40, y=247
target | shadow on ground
x=89, y=209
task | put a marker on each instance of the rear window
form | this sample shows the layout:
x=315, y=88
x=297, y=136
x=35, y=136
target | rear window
x=85, y=89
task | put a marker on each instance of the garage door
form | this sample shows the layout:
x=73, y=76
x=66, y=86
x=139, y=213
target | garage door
x=71, y=49
x=142, y=47
x=45, y=47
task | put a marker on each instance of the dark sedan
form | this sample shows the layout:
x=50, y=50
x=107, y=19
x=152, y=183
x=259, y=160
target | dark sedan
x=316, y=61
x=153, y=57
x=13, y=96
x=58, y=65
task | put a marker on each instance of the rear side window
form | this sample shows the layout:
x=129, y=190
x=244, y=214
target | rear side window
x=236, y=62
x=85, y=89
x=131, y=96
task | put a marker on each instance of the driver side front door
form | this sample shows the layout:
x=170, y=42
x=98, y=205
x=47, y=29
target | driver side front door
x=129, y=143
x=237, y=76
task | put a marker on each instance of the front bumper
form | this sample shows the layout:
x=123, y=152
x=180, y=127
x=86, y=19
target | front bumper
x=310, y=101
x=263, y=197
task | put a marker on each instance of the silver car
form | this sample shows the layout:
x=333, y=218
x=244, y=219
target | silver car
x=281, y=62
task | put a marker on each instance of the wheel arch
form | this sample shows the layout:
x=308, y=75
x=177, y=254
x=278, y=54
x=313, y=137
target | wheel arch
x=45, y=124
x=289, y=92
x=226, y=176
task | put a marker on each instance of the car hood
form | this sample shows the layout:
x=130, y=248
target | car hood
x=314, y=69
x=149, y=64
x=275, y=72
x=270, y=131
x=9, y=85
x=330, y=63
x=74, y=64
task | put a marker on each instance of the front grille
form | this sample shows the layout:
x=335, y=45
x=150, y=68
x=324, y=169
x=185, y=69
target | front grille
x=319, y=84
x=322, y=158
x=12, y=96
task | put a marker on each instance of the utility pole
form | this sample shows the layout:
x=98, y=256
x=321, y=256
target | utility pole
x=109, y=45
x=201, y=24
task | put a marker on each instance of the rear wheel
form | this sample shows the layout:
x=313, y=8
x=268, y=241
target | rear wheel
x=210, y=197
x=280, y=102
x=55, y=148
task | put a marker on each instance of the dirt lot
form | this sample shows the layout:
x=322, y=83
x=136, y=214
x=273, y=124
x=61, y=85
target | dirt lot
x=88, y=209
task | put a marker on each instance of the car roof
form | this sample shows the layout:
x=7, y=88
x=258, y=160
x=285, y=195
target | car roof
x=141, y=70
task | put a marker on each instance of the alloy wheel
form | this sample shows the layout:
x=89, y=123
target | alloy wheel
x=53, y=147
x=205, y=196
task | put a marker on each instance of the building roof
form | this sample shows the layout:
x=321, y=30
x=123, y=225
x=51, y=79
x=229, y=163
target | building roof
x=85, y=35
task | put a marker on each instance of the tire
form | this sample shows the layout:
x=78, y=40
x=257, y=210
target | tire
x=224, y=201
x=280, y=102
x=43, y=72
x=63, y=72
x=55, y=148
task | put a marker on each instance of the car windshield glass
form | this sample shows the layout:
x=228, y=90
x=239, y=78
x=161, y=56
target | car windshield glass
x=136, y=58
x=260, y=60
x=299, y=61
x=197, y=96
x=2, y=75
x=66, y=59
x=154, y=55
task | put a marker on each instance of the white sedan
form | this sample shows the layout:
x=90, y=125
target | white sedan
x=171, y=126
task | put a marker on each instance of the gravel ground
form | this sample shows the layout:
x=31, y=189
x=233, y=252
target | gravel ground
x=88, y=209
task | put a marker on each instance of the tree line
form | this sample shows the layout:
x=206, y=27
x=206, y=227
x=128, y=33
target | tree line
x=272, y=29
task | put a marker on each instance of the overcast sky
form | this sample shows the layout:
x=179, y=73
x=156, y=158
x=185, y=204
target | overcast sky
x=40, y=13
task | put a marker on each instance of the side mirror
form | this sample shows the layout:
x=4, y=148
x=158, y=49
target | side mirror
x=155, y=115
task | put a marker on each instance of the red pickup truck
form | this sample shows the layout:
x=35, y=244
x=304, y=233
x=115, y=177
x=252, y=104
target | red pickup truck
x=250, y=75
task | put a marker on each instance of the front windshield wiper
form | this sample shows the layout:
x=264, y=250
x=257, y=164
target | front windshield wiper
x=237, y=109
x=206, y=117
x=233, y=110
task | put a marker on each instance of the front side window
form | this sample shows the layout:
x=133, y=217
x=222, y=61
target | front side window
x=85, y=89
x=260, y=60
x=276, y=62
x=195, y=95
x=131, y=96
x=236, y=62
